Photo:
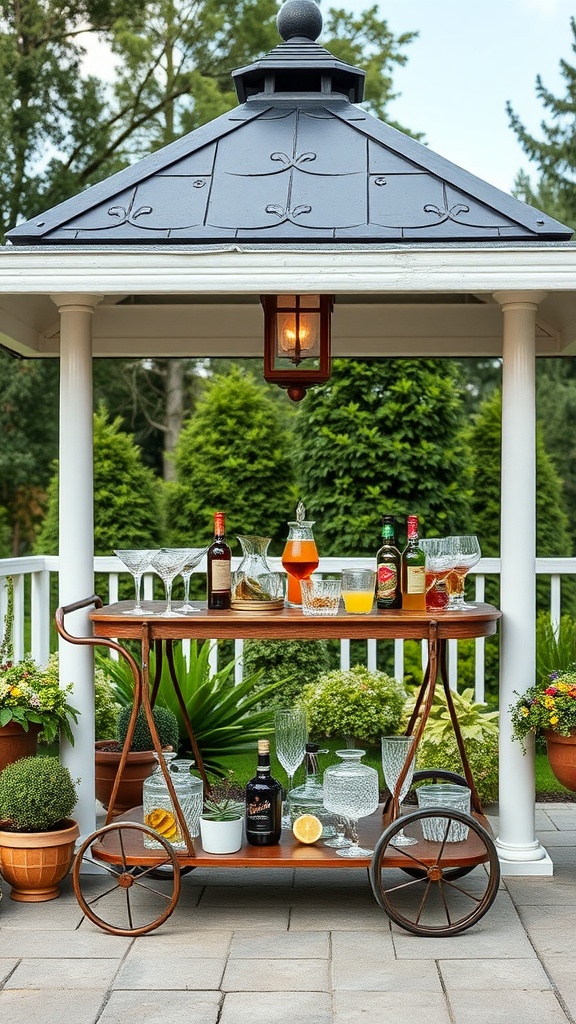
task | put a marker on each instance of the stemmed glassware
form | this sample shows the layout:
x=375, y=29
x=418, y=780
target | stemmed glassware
x=137, y=560
x=351, y=790
x=168, y=563
x=291, y=730
x=440, y=560
x=340, y=841
x=395, y=750
x=195, y=555
x=467, y=554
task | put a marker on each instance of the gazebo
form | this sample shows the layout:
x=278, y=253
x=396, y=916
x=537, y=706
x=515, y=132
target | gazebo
x=298, y=191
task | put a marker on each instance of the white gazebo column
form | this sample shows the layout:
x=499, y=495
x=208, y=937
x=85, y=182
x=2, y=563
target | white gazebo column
x=76, y=532
x=519, y=851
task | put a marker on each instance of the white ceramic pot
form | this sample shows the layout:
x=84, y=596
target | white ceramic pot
x=221, y=836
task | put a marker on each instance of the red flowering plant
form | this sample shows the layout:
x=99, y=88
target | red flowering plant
x=548, y=706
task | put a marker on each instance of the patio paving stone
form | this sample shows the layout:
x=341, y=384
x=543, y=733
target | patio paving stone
x=167, y=972
x=283, y=975
x=152, y=1008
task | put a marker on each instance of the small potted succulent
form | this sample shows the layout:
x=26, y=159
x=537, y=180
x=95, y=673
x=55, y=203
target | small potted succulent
x=141, y=761
x=221, y=821
x=37, y=834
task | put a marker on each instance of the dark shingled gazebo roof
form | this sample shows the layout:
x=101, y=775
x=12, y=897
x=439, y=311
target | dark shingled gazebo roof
x=297, y=161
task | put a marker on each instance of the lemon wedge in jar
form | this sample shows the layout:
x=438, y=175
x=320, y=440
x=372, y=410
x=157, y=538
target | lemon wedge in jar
x=307, y=828
x=163, y=822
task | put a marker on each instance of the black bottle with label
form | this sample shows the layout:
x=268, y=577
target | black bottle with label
x=263, y=802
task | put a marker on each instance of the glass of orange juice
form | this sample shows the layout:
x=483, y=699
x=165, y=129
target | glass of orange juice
x=358, y=587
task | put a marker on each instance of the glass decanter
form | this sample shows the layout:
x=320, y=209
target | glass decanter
x=309, y=798
x=351, y=789
x=254, y=581
x=159, y=812
x=300, y=556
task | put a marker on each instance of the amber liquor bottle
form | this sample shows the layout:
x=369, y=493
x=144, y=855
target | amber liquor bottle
x=388, y=568
x=219, y=566
x=263, y=802
x=413, y=571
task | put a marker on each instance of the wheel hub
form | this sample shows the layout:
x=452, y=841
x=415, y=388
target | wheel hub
x=435, y=873
x=125, y=880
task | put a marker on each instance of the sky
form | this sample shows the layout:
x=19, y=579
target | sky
x=471, y=56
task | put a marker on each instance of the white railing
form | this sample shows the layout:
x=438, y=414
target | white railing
x=34, y=606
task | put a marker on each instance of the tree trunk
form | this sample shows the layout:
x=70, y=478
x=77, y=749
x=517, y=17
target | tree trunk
x=174, y=413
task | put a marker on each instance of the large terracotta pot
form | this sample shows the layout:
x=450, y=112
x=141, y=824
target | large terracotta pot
x=139, y=766
x=562, y=758
x=16, y=743
x=34, y=863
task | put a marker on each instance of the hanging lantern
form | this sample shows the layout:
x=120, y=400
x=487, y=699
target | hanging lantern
x=297, y=341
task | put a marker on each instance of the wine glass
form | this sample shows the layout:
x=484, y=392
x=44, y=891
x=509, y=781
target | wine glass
x=136, y=561
x=440, y=560
x=195, y=555
x=466, y=551
x=291, y=729
x=340, y=841
x=168, y=563
x=351, y=789
x=395, y=750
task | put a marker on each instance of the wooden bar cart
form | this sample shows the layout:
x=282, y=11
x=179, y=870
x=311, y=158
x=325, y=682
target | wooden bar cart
x=430, y=888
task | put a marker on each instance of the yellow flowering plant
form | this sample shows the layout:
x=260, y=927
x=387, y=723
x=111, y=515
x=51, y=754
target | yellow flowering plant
x=548, y=706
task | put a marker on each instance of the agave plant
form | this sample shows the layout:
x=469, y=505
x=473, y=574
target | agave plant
x=226, y=716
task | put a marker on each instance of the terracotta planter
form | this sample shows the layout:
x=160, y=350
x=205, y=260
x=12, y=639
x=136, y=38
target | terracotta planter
x=139, y=766
x=16, y=743
x=562, y=758
x=34, y=863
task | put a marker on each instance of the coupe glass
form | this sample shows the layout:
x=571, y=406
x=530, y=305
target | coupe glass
x=351, y=790
x=291, y=729
x=466, y=551
x=137, y=560
x=395, y=750
x=168, y=563
x=195, y=555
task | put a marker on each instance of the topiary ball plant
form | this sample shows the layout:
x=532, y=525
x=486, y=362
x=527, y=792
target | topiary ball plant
x=165, y=721
x=36, y=794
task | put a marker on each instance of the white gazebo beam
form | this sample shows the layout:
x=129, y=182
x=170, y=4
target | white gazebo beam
x=76, y=531
x=519, y=850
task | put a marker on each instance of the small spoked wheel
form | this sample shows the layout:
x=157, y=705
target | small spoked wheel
x=126, y=897
x=434, y=900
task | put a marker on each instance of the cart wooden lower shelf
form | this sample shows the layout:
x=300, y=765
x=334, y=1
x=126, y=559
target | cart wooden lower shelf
x=429, y=888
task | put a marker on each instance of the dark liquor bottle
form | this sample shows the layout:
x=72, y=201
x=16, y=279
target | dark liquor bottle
x=219, y=567
x=263, y=802
x=388, y=568
x=413, y=571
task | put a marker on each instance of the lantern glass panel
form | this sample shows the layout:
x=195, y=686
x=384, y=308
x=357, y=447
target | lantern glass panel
x=298, y=335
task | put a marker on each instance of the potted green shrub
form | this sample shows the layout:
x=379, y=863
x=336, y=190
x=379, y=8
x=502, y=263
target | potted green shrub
x=140, y=762
x=358, y=704
x=221, y=821
x=37, y=834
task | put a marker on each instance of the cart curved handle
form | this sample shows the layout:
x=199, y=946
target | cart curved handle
x=92, y=641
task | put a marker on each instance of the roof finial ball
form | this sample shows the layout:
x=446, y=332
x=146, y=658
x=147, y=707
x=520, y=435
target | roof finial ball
x=299, y=18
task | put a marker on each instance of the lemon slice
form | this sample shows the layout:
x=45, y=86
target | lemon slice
x=307, y=828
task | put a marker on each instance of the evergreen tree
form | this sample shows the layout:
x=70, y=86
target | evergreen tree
x=383, y=436
x=555, y=153
x=552, y=536
x=127, y=496
x=556, y=410
x=234, y=455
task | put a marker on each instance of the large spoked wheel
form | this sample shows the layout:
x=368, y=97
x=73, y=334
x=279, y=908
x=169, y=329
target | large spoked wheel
x=433, y=901
x=125, y=898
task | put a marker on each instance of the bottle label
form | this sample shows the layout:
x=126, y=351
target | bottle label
x=220, y=575
x=259, y=815
x=415, y=579
x=387, y=581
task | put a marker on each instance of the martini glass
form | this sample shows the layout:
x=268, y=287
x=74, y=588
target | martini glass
x=395, y=750
x=137, y=560
x=195, y=555
x=168, y=563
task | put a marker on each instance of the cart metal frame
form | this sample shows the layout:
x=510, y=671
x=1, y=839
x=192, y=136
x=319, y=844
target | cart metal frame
x=422, y=875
